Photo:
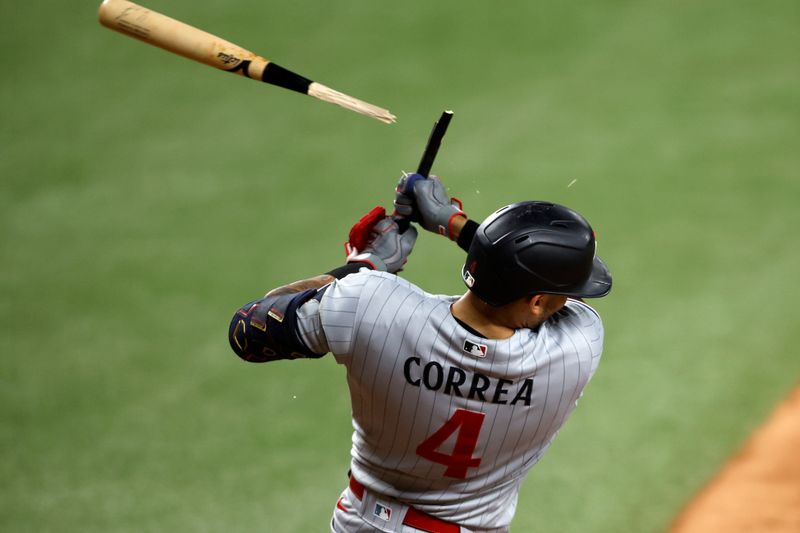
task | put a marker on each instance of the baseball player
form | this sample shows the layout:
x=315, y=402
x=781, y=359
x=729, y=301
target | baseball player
x=454, y=398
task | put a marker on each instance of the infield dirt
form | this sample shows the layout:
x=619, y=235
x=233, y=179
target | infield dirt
x=759, y=488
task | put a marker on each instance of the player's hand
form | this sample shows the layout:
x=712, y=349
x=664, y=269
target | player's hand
x=425, y=200
x=404, y=206
x=387, y=249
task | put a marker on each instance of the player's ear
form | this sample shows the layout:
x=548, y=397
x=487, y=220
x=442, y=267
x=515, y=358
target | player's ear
x=536, y=305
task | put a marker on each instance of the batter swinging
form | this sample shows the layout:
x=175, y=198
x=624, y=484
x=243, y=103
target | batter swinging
x=454, y=398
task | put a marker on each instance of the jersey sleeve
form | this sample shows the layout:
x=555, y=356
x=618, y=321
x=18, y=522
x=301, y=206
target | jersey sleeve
x=587, y=334
x=343, y=316
x=309, y=324
x=327, y=322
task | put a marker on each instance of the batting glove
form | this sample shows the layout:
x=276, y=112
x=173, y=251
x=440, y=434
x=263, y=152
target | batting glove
x=387, y=249
x=425, y=200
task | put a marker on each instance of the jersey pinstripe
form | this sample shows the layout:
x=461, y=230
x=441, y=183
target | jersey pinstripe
x=445, y=420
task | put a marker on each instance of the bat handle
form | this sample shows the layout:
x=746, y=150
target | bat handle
x=426, y=162
x=403, y=223
x=434, y=142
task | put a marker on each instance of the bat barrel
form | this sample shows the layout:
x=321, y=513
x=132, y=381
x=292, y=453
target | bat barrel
x=180, y=38
x=177, y=37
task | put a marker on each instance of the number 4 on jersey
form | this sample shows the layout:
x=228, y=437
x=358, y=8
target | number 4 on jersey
x=468, y=425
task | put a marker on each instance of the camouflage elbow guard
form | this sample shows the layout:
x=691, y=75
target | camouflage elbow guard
x=265, y=330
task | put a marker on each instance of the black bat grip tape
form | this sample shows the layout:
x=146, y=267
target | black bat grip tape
x=277, y=75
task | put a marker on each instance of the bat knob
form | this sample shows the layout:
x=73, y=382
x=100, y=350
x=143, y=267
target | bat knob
x=403, y=223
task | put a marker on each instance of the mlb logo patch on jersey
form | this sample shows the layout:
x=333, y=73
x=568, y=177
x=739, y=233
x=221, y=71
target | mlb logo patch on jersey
x=383, y=511
x=473, y=348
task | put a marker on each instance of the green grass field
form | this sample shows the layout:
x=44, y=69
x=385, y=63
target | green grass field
x=144, y=197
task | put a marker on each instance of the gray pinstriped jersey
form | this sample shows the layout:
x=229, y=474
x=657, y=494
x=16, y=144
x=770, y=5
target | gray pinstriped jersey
x=445, y=420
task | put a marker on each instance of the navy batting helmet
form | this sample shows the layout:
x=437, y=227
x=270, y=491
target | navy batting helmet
x=534, y=248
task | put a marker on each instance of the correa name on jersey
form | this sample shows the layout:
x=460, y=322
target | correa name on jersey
x=456, y=381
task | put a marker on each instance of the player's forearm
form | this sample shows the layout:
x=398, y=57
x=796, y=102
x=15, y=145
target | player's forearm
x=302, y=285
x=346, y=269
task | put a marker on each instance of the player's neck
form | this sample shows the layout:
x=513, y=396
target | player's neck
x=481, y=317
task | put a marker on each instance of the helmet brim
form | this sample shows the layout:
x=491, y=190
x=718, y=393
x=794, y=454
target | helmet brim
x=598, y=284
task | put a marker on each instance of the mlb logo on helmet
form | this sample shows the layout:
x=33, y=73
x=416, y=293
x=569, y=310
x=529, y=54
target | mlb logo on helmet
x=467, y=271
x=468, y=279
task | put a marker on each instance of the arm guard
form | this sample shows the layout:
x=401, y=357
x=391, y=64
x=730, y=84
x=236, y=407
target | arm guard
x=265, y=330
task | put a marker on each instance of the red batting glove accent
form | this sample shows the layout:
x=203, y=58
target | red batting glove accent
x=364, y=261
x=359, y=233
x=450, y=224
